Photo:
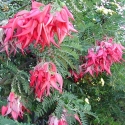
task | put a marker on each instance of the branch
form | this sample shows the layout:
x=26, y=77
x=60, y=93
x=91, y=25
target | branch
x=3, y=80
x=27, y=63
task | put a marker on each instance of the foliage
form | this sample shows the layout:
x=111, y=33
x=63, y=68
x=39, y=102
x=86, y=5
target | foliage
x=6, y=121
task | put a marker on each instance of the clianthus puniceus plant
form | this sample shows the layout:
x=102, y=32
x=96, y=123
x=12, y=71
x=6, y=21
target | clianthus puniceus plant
x=53, y=120
x=38, y=26
x=43, y=77
x=14, y=107
x=100, y=58
x=45, y=26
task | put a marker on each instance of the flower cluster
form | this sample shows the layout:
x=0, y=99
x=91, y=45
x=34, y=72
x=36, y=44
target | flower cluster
x=100, y=58
x=39, y=26
x=53, y=120
x=14, y=107
x=43, y=77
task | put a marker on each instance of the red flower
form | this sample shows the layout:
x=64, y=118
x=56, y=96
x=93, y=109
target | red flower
x=100, y=58
x=62, y=24
x=39, y=25
x=53, y=120
x=43, y=77
x=77, y=75
x=14, y=107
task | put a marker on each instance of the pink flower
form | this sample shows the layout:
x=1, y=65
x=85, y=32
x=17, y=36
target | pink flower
x=62, y=24
x=43, y=77
x=53, y=120
x=101, y=57
x=36, y=5
x=14, y=107
x=38, y=27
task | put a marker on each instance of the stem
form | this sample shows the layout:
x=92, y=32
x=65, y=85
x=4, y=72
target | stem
x=27, y=63
x=3, y=80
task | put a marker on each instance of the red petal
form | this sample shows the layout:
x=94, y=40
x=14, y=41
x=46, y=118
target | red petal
x=45, y=36
x=42, y=15
x=33, y=26
x=54, y=43
x=33, y=13
x=36, y=4
x=53, y=84
x=4, y=110
x=64, y=15
x=48, y=90
x=32, y=80
x=9, y=108
x=11, y=97
x=78, y=119
x=68, y=13
x=49, y=20
x=58, y=17
x=27, y=42
x=14, y=25
x=8, y=34
x=29, y=24
x=22, y=13
x=53, y=67
x=24, y=32
x=14, y=115
x=62, y=36
x=59, y=79
x=39, y=30
x=70, y=27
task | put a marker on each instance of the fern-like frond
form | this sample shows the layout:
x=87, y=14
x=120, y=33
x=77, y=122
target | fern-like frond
x=10, y=66
x=83, y=118
x=71, y=120
x=71, y=43
x=46, y=105
x=117, y=79
x=64, y=57
x=23, y=82
x=6, y=121
x=59, y=108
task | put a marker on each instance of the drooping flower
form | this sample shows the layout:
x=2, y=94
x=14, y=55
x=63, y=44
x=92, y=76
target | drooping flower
x=77, y=75
x=53, y=120
x=62, y=24
x=100, y=58
x=14, y=107
x=44, y=77
x=39, y=26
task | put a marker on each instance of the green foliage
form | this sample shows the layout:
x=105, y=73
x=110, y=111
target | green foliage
x=67, y=103
x=117, y=79
x=46, y=105
x=10, y=7
x=18, y=79
x=6, y=121
x=64, y=56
